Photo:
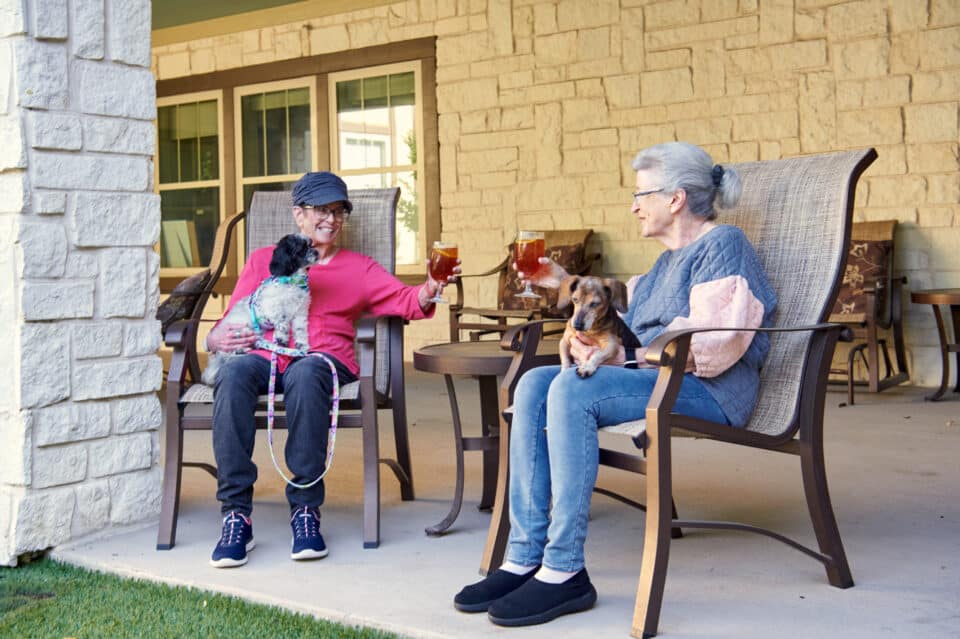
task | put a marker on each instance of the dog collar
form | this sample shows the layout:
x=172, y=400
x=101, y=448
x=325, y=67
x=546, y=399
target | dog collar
x=297, y=279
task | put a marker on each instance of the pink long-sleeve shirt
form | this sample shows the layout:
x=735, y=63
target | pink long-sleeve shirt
x=348, y=286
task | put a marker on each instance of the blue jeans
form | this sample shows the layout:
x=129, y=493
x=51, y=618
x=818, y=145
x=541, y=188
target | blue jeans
x=306, y=385
x=554, y=452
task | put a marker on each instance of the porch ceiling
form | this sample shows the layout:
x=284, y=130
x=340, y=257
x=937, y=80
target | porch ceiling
x=173, y=13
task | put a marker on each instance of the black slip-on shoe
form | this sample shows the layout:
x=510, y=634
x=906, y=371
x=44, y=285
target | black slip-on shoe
x=478, y=597
x=537, y=602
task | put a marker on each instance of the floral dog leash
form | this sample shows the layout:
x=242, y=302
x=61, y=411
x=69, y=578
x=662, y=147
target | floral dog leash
x=275, y=350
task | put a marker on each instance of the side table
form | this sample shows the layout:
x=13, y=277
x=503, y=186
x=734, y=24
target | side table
x=489, y=362
x=936, y=298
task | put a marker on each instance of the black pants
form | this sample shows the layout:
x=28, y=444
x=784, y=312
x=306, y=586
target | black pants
x=306, y=385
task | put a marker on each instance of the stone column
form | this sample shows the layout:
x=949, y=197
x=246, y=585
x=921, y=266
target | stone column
x=79, y=413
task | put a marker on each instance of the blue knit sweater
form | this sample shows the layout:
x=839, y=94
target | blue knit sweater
x=663, y=294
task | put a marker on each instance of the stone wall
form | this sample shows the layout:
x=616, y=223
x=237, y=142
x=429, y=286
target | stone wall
x=543, y=103
x=79, y=414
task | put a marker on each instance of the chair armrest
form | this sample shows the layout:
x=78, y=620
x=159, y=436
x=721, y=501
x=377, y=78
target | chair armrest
x=657, y=353
x=527, y=336
x=458, y=305
x=177, y=334
x=669, y=352
x=367, y=329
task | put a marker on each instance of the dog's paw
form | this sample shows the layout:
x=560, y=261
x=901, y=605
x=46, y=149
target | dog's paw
x=586, y=369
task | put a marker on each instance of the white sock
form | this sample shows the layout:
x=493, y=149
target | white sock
x=551, y=576
x=516, y=569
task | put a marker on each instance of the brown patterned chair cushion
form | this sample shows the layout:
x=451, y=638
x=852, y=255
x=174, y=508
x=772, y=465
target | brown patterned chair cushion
x=867, y=265
x=568, y=256
x=182, y=300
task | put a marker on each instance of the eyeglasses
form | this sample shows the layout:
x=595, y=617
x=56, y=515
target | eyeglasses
x=338, y=213
x=640, y=194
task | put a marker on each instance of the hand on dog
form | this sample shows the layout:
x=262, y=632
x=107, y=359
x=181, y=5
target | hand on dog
x=549, y=275
x=582, y=348
x=230, y=338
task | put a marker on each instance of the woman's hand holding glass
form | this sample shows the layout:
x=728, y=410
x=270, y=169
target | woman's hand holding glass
x=443, y=268
x=549, y=275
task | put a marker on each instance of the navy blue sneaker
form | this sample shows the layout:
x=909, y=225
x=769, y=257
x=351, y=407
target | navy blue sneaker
x=307, y=540
x=236, y=540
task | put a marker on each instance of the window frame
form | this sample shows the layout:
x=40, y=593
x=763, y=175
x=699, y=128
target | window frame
x=319, y=67
x=176, y=100
x=416, y=66
x=239, y=92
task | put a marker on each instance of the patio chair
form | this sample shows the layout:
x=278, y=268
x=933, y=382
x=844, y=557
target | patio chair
x=379, y=342
x=797, y=213
x=870, y=301
x=568, y=248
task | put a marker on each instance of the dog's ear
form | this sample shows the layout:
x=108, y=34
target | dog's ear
x=284, y=260
x=567, y=287
x=618, y=293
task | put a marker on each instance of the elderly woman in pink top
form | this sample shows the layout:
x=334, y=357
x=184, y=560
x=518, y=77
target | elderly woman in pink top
x=343, y=286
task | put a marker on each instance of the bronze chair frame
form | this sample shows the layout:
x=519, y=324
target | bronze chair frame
x=884, y=311
x=358, y=413
x=802, y=436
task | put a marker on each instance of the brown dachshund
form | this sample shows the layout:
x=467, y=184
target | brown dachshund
x=595, y=304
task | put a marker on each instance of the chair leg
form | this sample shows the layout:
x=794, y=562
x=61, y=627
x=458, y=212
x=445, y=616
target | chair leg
x=398, y=399
x=822, y=516
x=873, y=359
x=371, y=466
x=172, y=473
x=401, y=437
x=656, y=541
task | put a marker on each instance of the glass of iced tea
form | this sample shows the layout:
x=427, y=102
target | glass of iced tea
x=443, y=259
x=527, y=250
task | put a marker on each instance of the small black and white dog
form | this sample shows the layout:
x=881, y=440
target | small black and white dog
x=281, y=302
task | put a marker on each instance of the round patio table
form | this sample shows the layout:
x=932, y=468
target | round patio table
x=937, y=298
x=488, y=362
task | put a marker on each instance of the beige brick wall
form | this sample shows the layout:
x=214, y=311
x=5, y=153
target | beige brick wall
x=543, y=103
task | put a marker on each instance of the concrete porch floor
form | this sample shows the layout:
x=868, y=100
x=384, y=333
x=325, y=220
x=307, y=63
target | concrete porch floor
x=892, y=462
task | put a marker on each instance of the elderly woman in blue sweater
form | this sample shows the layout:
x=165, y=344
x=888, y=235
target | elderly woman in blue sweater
x=709, y=275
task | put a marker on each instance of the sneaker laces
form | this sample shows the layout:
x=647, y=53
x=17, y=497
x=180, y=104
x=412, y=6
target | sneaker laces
x=232, y=529
x=306, y=523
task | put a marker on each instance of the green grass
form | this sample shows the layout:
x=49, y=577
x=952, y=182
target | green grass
x=53, y=600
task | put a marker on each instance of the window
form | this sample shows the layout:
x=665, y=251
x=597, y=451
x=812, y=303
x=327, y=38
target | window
x=276, y=135
x=219, y=141
x=187, y=174
x=375, y=130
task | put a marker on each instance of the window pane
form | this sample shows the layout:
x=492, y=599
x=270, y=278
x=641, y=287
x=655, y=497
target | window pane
x=251, y=126
x=404, y=135
x=208, y=129
x=348, y=96
x=188, y=133
x=402, y=91
x=299, y=109
x=189, y=224
x=189, y=147
x=167, y=147
x=408, y=219
x=249, y=189
x=375, y=92
x=209, y=158
x=275, y=130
